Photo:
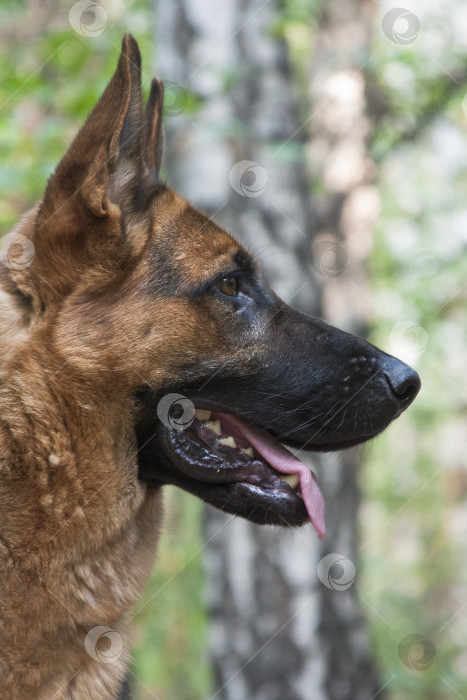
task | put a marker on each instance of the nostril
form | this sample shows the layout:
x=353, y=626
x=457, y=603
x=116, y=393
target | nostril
x=405, y=384
x=408, y=394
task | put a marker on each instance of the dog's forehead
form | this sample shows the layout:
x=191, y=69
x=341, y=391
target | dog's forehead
x=188, y=243
x=188, y=228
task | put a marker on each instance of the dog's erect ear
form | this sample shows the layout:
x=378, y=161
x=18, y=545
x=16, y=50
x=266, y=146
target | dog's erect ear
x=101, y=176
x=107, y=151
x=154, y=143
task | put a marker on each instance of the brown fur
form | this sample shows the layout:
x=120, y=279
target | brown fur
x=78, y=334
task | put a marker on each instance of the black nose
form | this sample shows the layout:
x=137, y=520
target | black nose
x=403, y=380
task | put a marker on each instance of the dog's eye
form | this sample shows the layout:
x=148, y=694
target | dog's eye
x=228, y=286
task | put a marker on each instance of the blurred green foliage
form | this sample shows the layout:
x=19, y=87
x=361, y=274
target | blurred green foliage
x=415, y=476
x=170, y=628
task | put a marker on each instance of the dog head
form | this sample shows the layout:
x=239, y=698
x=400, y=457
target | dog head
x=140, y=295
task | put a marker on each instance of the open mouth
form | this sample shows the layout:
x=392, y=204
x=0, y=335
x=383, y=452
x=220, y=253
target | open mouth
x=243, y=469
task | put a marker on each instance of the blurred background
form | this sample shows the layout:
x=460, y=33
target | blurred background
x=330, y=137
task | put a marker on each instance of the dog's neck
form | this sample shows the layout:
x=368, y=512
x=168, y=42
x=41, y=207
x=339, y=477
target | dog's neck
x=63, y=432
x=67, y=455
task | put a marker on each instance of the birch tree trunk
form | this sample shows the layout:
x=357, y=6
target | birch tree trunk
x=277, y=632
x=345, y=207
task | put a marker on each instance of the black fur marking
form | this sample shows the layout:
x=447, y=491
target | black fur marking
x=125, y=691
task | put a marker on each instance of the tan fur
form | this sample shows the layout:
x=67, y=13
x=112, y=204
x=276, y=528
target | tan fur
x=78, y=335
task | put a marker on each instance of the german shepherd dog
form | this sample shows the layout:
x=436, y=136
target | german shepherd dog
x=141, y=346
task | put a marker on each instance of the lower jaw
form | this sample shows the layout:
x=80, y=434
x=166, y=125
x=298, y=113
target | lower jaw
x=237, y=499
x=253, y=502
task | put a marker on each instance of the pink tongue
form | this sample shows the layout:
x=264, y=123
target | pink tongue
x=283, y=461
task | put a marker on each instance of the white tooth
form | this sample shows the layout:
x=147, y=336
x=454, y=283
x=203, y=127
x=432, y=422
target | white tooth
x=292, y=480
x=248, y=451
x=215, y=426
x=202, y=415
x=228, y=442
